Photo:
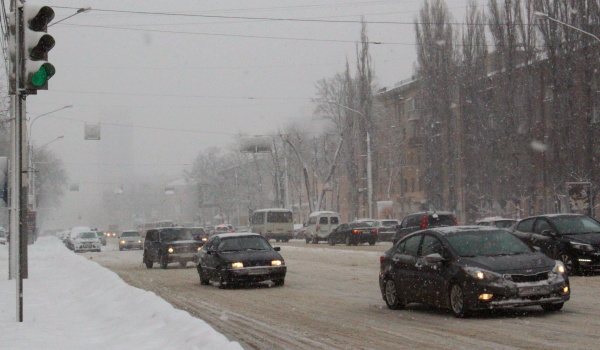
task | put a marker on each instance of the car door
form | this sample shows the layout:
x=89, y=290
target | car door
x=150, y=244
x=338, y=233
x=431, y=277
x=542, y=238
x=209, y=260
x=404, y=270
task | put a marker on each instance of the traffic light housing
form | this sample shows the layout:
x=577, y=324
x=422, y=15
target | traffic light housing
x=37, y=42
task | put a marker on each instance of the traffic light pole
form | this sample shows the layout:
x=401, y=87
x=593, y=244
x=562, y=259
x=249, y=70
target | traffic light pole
x=18, y=194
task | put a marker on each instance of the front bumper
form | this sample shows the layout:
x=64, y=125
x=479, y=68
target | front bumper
x=255, y=273
x=509, y=294
x=182, y=257
x=588, y=260
x=86, y=247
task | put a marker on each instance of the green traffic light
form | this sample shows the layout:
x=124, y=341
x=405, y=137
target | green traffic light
x=43, y=74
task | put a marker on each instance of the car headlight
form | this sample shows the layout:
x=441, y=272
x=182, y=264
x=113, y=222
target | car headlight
x=583, y=246
x=277, y=263
x=199, y=248
x=559, y=268
x=170, y=250
x=204, y=239
x=237, y=265
x=139, y=241
x=481, y=275
x=122, y=242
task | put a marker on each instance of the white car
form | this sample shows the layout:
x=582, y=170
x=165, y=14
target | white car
x=85, y=241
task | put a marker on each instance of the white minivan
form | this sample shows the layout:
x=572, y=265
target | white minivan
x=273, y=223
x=320, y=224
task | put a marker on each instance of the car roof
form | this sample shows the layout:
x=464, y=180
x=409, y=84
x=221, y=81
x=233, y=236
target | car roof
x=494, y=218
x=555, y=216
x=448, y=230
x=237, y=234
x=317, y=213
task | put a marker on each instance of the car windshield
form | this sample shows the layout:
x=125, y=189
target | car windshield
x=389, y=223
x=244, y=243
x=575, y=224
x=170, y=235
x=279, y=217
x=130, y=234
x=87, y=235
x=505, y=223
x=486, y=243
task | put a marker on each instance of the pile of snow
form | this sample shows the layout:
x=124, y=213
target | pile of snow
x=73, y=303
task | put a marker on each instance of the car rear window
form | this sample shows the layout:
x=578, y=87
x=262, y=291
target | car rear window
x=440, y=220
x=334, y=220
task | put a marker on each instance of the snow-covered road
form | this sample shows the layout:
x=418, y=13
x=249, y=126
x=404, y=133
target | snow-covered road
x=70, y=302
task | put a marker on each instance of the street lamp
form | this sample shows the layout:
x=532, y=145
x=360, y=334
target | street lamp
x=369, y=162
x=81, y=10
x=546, y=16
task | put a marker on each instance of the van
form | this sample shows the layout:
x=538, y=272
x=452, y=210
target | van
x=320, y=224
x=273, y=223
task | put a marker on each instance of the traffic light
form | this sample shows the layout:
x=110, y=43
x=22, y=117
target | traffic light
x=37, y=43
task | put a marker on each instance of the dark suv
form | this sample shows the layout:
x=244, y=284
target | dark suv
x=572, y=238
x=170, y=244
x=422, y=220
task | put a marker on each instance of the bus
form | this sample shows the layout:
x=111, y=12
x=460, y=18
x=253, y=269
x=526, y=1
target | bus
x=275, y=223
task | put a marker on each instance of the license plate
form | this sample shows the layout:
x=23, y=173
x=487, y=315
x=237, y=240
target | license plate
x=533, y=290
x=258, y=272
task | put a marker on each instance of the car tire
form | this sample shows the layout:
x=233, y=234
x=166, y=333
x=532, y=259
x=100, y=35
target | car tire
x=182, y=264
x=348, y=240
x=552, y=307
x=372, y=242
x=279, y=282
x=203, y=280
x=315, y=240
x=330, y=240
x=163, y=262
x=120, y=248
x=285, y=240
x=147, y=261
x=307, y=240
x=457, y=302
x=390, y=295
x=571, y=264
x=277, y=239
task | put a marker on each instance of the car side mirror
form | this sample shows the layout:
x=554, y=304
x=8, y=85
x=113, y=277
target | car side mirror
x=277, y=248
x=434, y=258
x=549, y=233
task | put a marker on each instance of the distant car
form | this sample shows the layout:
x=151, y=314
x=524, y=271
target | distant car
x=319, y=226
x=422, y=220
x=233, y=258
x=130, y=240
x=85, y=241
x=353, y=233
x=571, y=238
x=101, y=237
x=199, y=234
x=224, y=228
x=168, y=245
x=496, y=221
x=468, y=268
x=370, y=222
x=3, y=236
x=385, y=229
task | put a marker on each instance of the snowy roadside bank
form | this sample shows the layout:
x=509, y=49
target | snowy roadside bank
x=73, y=303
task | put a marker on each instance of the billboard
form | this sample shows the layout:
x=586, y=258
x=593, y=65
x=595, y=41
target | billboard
x=580, y=197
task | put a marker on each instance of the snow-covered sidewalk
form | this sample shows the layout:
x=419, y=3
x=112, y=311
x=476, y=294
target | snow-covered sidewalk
x=73, y=303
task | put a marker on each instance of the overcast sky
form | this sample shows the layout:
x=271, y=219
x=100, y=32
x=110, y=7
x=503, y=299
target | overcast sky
x=217, y=69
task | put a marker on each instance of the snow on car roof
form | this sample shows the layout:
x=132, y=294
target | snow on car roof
x=236, y=234
x=324, y=213
x=272, y=209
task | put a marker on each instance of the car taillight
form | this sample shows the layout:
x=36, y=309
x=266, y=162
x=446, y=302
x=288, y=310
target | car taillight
x=318, y=227
x=382, y=259
x=373, y=231
x=356, y=231
x=424, y=222
x=455, y=220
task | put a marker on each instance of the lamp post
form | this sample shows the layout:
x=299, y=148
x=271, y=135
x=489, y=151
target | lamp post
x=369, y=162
x=543, y=15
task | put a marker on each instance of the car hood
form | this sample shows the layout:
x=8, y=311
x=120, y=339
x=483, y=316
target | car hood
x=250, y=255
x=589, y=238
x=186, y=242
x=521, y=263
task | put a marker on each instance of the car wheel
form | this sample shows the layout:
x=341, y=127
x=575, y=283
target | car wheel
x=348, y=240
x=552, y=307
x=285, y=240
x=203, y=280
x=182, y=264
x=279, y=282
x=120, y=248
x=147, y=261
x=391, y=296
x=307, y=240
x=372, y=242
x=277, y=239
x=163, y=262
x=571, y=264
x=457, y=301
x=330, y=240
